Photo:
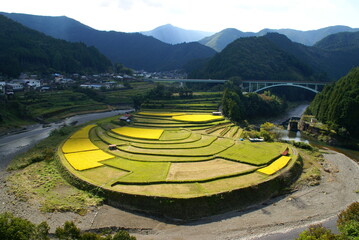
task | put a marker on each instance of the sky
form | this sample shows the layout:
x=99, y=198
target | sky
x=205, y=15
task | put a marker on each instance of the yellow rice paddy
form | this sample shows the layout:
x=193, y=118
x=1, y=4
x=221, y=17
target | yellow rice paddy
x=197, y=117
x=160, y=114
x=275, y=166
x=86, y=160
x=83, y=133
x=78, y=145
x=144, y=133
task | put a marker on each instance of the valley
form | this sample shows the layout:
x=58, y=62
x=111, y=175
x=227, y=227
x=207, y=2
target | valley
x=174, y=133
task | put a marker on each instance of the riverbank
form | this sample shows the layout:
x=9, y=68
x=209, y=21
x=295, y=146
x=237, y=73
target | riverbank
x=32, y=124
x=14, y=144
x=337, y=189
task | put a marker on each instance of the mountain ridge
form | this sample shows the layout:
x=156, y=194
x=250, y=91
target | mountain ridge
x=173, y=35
x=24, y=49
x=247, y=54
x=220, y=40
x=134, y=50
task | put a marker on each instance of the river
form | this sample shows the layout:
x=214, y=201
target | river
x=11, y=145
x=298, y=136
x=302, y=137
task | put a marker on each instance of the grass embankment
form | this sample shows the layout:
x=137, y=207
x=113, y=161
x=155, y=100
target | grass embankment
x=35, y=178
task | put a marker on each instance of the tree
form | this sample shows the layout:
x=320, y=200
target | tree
x=348, y=225
x=317, y=232
x=68, y=232
x=348, y=221
x=123, y=235
x=14, y=228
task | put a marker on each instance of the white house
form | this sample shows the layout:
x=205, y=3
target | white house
x=2, y=87
x=29, y=82
x=16, y=86
x=95, y=86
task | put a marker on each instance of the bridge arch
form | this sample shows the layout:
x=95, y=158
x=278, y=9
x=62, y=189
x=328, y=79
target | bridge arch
x=286, y=85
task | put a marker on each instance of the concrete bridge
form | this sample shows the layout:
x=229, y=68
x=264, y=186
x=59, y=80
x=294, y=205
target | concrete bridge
x=254, y=85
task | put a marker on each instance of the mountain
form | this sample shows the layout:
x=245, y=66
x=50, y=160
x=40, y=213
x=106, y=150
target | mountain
x=335, y=62
x=174, y=35
x=254, y=58
x=338, y=104
x=23, y=49
x=134, y=50
x=220, y=40
x=345, y=40
x=310, y=37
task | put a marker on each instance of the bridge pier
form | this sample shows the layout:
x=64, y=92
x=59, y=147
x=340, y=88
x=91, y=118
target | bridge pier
x=293, y=125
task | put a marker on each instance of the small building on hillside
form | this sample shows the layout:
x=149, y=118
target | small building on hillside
x=15, y=86
x=217, y=113
x=126, y=117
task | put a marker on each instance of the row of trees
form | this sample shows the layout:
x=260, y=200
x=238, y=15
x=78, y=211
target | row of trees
x=239, y=107
x=14, y=228
x=347, y=223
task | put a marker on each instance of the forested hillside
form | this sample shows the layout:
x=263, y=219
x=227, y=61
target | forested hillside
x=134, y=50
x=345, y=40
x=254, y=58
x=23, y=49
x=274, y=56
x=338, y=104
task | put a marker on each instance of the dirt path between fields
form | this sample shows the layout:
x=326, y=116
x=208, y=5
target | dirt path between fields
x=338, y=188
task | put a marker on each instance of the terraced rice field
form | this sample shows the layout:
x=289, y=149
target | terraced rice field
x=172, y=154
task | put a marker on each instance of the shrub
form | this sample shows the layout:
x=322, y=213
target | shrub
x=14, y=228
x=317, y=232
x=71, y=232
x=348, y=225
x=351, y=213
x=350, y=230
x=302, y=145
x=348, y=221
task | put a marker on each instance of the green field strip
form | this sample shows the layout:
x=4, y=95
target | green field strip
x=140, y=172
x=203, y=142
x=178, y=125
x=192, y=100
x=184, y=124
x=232, y=131
x=191, y=138
x=181, y=106
x=259, y=153
x=218, y=126
x=175, y=135
x=143, y=178
x=155, y=121
x=225, y=130
x=103, y=136
x=238, y=134
x=158, y=158
x=216, y=147
x=93, y=134
x=188, y=190
x=185, y=190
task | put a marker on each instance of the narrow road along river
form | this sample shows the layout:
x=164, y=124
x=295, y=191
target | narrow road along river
x=11, y=145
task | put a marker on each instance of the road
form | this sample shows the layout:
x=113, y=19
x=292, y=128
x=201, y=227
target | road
x=11, y=145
